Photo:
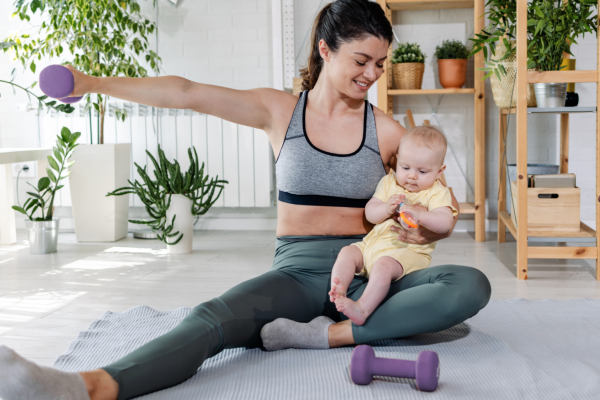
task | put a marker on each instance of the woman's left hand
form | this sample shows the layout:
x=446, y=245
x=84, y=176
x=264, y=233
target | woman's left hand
x=419, y=235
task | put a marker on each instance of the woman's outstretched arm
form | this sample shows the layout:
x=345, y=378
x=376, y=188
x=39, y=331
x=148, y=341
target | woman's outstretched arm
x=254, y=107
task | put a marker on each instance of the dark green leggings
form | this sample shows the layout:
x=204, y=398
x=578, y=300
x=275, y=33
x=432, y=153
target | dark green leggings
x=296, y=287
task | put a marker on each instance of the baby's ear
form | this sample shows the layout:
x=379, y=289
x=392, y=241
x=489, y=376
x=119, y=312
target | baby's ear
x=442, y=169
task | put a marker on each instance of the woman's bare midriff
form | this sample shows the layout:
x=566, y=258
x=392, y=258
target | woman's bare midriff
x=297, y=220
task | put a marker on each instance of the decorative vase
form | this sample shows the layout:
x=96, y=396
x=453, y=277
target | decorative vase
x=181, y=207
x=550, y=94
x=452, y=73
x=505, y=91
x=43, y=236
x=100, y=169
x=408, y=75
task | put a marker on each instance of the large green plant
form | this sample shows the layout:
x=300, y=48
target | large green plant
x=408, y=53
x=551, y=27
x=104, y=37
x=45, y=191
x=451, y=50
x=156, y=194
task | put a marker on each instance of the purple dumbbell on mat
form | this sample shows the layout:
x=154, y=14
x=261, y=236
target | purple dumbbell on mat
x=364, y=364
x=58, y=82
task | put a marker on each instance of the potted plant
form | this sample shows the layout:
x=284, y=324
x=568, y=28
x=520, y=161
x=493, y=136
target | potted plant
x=408, y=65
x=550, y=27
x=104, y=38
x=452, y=63
x=174, y=198
x=42, y=227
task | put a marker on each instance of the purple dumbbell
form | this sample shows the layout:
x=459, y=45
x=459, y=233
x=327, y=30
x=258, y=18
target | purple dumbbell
x=364, y=364
x=58, y=82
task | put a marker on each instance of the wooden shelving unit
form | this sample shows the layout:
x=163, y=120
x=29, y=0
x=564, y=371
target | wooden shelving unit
x=386, y=95
x=524, y=250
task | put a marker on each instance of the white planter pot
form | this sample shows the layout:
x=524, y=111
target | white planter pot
x=100, y=169
x=181, y=206
x=42, y=235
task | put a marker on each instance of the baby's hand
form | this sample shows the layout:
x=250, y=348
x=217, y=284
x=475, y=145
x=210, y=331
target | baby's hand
x=393, y=202
x=413, y=209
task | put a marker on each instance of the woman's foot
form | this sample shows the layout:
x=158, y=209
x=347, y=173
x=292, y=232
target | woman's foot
x=24, y=380
x=284, y=334
x=352, y=310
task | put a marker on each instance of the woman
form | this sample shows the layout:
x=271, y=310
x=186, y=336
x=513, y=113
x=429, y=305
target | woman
x=332, y=148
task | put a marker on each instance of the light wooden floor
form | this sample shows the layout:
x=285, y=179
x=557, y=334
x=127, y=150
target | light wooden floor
x=45, y=300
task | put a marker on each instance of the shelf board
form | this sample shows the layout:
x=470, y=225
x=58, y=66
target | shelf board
x=584, y=230
x=552, y=110
x=399, y=5
x=589, y=253
x=562, y=76
x=397, y=92
x=467, y=208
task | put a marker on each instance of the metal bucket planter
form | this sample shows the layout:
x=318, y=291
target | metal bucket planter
x=43, y=236
x=550, y=94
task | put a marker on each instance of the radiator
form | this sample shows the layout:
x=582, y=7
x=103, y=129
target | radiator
x=239, y=154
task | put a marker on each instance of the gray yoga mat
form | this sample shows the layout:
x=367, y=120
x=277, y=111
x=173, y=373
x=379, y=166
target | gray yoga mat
x=512, y=349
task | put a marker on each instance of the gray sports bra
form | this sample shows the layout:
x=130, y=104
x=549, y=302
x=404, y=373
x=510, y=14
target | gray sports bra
x=307, y=175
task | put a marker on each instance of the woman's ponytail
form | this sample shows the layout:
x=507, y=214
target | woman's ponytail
x=310, y=73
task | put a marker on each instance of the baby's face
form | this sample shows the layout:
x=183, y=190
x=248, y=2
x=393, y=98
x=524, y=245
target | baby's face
x=418, y=167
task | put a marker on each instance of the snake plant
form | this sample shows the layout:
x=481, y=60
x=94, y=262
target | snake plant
x=169, y=180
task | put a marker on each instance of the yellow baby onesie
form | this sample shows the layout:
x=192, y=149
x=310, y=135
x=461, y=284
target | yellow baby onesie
x=382, y=241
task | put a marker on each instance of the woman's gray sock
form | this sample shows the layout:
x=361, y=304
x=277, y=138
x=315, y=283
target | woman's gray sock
x=21, y=379
x=285, y=333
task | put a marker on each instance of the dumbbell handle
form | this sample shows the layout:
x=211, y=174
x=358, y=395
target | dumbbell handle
x=392, y=367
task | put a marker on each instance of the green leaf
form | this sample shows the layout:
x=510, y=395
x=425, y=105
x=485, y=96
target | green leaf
x=43, y=183
x=51, y=175
x=65, y=134
x=19, y=209
x=53, y=163
x=57, y=154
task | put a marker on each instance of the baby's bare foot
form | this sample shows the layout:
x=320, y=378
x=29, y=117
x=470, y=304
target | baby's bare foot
x=351, y=309
x=336, y=290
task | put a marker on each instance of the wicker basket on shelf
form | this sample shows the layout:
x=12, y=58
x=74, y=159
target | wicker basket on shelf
x=501, y=89
x=408, y=75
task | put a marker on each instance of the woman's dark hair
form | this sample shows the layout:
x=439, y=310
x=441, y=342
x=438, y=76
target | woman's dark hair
x=343, y=21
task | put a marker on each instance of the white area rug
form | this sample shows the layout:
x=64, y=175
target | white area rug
x=512, y=349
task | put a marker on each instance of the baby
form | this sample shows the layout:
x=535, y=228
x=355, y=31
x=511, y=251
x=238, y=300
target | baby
x=381, y=256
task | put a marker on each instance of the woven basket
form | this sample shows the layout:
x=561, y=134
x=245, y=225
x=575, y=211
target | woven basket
x=501, y=89
x=408, y=75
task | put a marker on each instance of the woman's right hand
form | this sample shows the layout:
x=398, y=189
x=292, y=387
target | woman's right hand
x=83, y=82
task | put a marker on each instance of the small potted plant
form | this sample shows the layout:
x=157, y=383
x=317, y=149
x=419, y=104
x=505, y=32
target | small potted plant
x=42, y=227
x=452, y=58
x=408, y=65
x=174, y=198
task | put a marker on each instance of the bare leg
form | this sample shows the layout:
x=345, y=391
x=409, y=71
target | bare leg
x=100, y=385
x=384, y=271
x=348, y=262
x=340, y=334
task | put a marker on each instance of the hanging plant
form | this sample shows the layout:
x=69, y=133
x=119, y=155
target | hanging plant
x=156, y=194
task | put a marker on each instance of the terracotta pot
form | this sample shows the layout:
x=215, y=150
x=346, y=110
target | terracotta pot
x=453, y=73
